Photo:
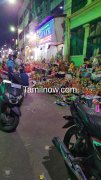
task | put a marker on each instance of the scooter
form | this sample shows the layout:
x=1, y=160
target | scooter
x=10, y=100
x=15, y=79
x=81, y=148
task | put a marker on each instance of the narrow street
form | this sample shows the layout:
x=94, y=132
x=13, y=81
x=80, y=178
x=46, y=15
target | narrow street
x=28, y=153
x=50, y=47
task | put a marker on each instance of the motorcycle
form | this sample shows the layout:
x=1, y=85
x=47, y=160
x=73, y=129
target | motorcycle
x=16, y=79
x=10, y=100
x=81, y=148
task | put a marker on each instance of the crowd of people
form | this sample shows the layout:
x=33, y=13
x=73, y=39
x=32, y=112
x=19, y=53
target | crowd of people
x=15, y=67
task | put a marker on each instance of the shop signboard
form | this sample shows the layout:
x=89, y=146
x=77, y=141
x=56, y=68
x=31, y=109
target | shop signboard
x=46, y=32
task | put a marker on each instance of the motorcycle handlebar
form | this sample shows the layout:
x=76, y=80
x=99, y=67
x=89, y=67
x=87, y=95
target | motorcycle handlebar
x=79, y=97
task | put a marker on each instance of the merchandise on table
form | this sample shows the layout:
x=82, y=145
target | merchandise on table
x=85, y=79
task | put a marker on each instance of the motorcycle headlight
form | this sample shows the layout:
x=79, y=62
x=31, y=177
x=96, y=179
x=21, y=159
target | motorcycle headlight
x=20, y=97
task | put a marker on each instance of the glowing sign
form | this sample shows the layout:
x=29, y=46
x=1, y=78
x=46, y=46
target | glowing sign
x=46, y=39
x=45, y=32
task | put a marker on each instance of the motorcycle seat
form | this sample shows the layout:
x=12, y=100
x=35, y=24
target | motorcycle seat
x=92, y=118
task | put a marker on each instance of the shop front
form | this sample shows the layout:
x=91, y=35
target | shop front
x=30, y=39
x=49, y=38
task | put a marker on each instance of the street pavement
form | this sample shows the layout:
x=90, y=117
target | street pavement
x=28, y=153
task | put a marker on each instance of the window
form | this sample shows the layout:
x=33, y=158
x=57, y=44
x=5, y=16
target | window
x=21, y=36
x=94, y=40
x=27, y=29
x=78, y=4
x=77, y=41
x=20, y=20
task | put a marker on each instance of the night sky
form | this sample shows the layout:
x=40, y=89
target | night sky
x=8, y=16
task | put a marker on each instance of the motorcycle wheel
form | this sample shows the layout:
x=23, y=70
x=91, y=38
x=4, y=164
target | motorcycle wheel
x=71, y=135
x=70, y=140
x=9, y=123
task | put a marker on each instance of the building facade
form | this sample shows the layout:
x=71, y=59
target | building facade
x=83, y=30
x=41, y=19
x=49, y=37
x=23, y=22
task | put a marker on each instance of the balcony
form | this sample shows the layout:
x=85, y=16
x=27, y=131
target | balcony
x=77, y=5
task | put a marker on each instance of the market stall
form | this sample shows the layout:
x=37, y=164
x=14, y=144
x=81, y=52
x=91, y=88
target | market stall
x=85, y=79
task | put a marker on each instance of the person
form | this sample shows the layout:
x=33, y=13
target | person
x=89, y=67
x=4, y=66
x=22, y=68
x=0, y=59
x=0, y=74
x=72, y=66
x=85, y=60
x=10, y=66
x=10, y=62
x=18, y=61
x=95, y=62
x=25, y=78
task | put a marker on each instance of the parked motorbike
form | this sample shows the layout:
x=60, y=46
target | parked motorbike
x=10, y=100
x=16, y=79
x=81, y=149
